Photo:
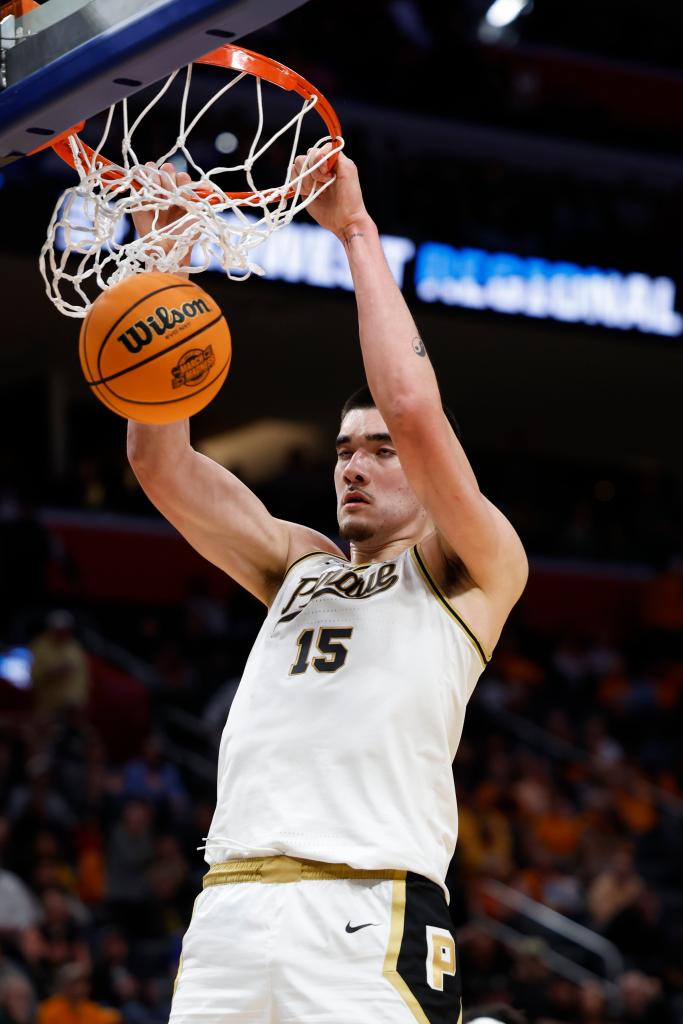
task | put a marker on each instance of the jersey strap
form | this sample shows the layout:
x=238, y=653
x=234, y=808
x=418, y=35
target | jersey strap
x=310, y=554
x=418, y=558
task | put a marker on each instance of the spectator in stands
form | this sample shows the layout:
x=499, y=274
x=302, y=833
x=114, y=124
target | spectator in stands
x=530, y=977
x=544, y=879
x=155, y=779
x=169, y=880
x=19, y=908
x=558, y=828
x=114, y=982
x=641, y=999
x=484, y=835
x=486, y=966
x=130, y=856
x=17, y=1000
x=592, y=1008
x=641, y=932
x=603, y=748
x=60, y=673
x=617, y=887
x=532, y=789
x=42, y=824
x=73, y=743
x=633, y=799
x=562, y=1000
x=58, y=939
x=71, y=1005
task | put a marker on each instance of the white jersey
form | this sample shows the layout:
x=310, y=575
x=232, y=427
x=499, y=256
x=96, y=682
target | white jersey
x=341, y=737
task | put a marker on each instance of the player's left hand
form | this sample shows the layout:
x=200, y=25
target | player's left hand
x=167, y=179
x=341, y=204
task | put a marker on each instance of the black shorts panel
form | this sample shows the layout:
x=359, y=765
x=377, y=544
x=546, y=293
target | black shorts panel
x=427, y=961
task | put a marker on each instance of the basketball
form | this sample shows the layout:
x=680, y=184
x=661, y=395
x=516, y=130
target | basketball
x=155, y=348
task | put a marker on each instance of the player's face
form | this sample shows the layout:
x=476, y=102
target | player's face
x=374, y=498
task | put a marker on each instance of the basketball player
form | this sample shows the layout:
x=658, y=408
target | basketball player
x=336, y=817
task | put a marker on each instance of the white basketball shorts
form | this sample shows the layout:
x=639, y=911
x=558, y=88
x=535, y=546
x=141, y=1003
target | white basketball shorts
x=284, y=941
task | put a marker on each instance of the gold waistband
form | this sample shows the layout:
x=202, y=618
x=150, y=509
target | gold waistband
x=289, y=869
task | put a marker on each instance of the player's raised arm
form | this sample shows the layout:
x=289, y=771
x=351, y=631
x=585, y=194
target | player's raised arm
x=211, y=507
x=404, y=387
x=218, y=514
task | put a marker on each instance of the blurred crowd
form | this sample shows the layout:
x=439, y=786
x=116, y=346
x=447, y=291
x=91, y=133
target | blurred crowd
x=569, y=779
x=560, y=508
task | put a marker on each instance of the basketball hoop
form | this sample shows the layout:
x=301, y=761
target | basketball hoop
x=220, y=225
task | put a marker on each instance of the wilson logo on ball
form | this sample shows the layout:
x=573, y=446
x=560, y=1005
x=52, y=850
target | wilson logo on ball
x=158, y=323
x=155, y=348
x=192, y=367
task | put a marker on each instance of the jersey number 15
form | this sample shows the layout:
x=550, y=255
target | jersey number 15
x=332, y=654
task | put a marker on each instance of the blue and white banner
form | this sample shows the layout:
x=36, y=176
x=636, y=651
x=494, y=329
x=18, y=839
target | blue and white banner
x=475, y=279
x=529, y=286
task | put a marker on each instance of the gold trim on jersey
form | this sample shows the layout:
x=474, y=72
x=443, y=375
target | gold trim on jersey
x=328, y=554
x=419, y=559
x=271, y=870
x=309, y=554
x=398, y=913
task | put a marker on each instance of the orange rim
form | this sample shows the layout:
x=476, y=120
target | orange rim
x=232, y=58
x=18, y=7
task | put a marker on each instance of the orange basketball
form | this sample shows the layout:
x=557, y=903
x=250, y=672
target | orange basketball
x=155, y=348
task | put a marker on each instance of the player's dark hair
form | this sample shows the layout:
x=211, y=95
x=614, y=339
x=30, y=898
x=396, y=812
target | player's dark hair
x=498, y=1012
x=362, y=399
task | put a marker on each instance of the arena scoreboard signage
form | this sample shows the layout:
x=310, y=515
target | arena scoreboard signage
x=529, y=286
x=475, y=279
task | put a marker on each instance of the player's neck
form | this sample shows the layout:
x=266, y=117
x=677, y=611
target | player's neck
x=384, y=550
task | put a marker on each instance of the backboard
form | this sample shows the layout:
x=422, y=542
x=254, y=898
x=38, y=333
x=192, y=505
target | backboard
x=64, y=61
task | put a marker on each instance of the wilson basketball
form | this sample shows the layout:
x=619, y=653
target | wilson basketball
x=155, y=348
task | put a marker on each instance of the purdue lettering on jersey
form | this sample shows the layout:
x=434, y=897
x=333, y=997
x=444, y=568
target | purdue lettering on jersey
x=345, y=582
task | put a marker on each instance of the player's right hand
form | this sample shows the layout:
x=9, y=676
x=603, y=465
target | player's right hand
x=340, y=205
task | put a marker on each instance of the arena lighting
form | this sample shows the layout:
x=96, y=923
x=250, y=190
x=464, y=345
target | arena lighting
x=262, y=448
x=503, y=12
x=226, y=142
x=15, y=667
x=471, y=279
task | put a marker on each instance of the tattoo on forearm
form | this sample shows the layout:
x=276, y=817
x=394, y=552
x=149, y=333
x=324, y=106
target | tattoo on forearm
x=418, y=346
x=349, y=238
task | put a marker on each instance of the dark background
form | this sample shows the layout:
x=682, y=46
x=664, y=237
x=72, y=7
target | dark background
x=559, y=137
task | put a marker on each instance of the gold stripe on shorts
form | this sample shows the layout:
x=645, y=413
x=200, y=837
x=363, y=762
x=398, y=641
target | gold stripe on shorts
x=390, y=970
x=289, y=869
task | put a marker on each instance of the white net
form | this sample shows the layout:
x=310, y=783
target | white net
x=86, y=250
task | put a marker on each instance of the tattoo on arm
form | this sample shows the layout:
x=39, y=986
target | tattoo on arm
x=349, y=238
x=418, y=346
